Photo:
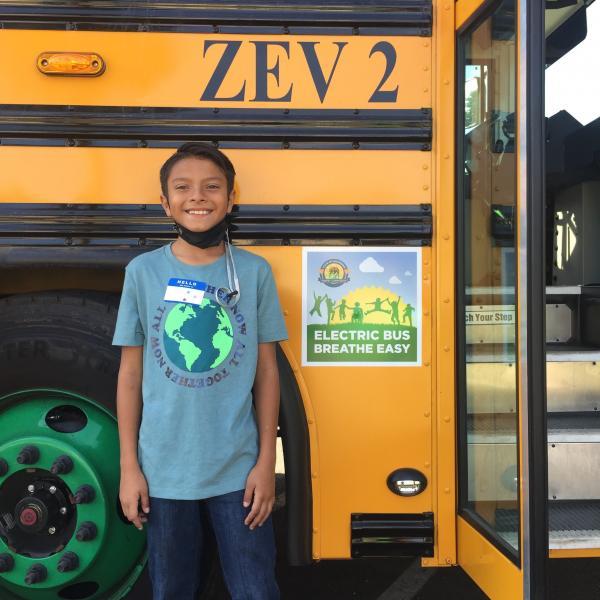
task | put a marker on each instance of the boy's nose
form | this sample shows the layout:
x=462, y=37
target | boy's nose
x=197, y=195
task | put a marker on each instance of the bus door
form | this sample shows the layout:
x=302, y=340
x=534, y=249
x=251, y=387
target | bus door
x=501, y=524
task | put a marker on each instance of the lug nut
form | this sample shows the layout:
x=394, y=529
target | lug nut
x=7, y=562
x=86, y=532
x=51, y=530
x=28, y=455
x=52, y=489
x=63, y=510
x=84, y=494
x=3, y=467
x=62, y=465
x=31, y=488
x=36, y=574
x=69, y=561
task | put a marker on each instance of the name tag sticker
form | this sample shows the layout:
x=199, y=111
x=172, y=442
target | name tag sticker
x=185, y=290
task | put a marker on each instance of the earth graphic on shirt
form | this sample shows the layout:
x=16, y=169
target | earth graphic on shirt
x=198, y=338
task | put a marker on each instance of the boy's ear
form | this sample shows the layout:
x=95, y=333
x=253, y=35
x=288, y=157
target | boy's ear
x=165, y=204
x=231, y=201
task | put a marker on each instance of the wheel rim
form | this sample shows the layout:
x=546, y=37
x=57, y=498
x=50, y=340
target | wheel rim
x=61, y=531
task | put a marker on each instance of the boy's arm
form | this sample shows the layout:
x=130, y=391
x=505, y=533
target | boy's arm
x=129, y=403
x=261, y=480
x=133, y=487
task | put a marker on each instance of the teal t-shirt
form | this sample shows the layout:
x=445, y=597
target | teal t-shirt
x=198, y=436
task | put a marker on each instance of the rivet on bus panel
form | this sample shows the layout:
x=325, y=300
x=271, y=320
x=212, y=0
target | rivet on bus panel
x=88, y=64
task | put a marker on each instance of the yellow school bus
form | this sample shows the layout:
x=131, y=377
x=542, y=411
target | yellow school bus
x=440, y=382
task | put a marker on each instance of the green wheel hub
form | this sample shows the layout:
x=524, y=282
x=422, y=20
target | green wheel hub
x=61, y=530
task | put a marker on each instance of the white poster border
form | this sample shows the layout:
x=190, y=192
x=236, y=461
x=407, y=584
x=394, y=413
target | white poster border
x=340, y=250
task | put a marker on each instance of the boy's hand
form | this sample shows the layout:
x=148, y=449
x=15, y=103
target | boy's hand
x=260, y=490
x=133, y=492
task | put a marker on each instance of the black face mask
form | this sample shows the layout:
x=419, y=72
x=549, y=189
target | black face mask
x=204, y=239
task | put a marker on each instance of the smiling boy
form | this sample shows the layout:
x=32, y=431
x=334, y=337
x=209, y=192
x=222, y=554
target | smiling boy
x=198, y=346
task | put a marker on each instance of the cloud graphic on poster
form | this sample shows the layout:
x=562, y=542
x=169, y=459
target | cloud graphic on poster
x=370, y=265
x=393, y=279
x=407, y=274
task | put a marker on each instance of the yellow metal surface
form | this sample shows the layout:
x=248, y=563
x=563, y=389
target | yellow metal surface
x=130, y=175
x=575, y=553
x=174, y=69
x=499, y=578
x=465, y=9
x=363, y=422
x=443, y=369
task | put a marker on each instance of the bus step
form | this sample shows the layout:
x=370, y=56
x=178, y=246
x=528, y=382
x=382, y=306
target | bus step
x=389, y=535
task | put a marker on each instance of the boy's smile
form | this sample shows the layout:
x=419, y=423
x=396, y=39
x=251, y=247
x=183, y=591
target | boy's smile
x=198, y=197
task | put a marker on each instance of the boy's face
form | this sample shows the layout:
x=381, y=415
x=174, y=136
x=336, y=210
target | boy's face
x=198, y=197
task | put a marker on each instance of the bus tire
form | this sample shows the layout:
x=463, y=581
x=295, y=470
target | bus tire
x=62, y=341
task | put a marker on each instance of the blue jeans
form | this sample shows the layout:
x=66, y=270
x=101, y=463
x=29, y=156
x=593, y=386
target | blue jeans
x=175, y=546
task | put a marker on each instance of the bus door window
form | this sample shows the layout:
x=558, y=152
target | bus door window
x=489, y=497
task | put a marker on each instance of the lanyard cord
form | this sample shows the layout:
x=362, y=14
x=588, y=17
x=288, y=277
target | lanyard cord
x=232, y=282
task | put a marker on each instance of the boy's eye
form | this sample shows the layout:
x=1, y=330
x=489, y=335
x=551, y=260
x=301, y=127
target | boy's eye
x=213, y=186
x=180, y=187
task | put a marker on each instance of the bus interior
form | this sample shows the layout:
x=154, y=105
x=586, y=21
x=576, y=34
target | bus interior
x=573, y=273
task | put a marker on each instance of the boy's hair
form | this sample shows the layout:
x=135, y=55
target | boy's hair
x=197, y=150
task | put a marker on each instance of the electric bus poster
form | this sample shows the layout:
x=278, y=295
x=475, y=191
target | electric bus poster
x=361, y=306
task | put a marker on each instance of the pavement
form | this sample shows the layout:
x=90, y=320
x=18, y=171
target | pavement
x=381, y=579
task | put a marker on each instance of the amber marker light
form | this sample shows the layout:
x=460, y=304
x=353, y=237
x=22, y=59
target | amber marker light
x=86, y=64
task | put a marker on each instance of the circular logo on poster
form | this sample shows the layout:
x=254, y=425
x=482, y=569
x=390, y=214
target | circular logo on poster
x=333, y=272
x=198, y=337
